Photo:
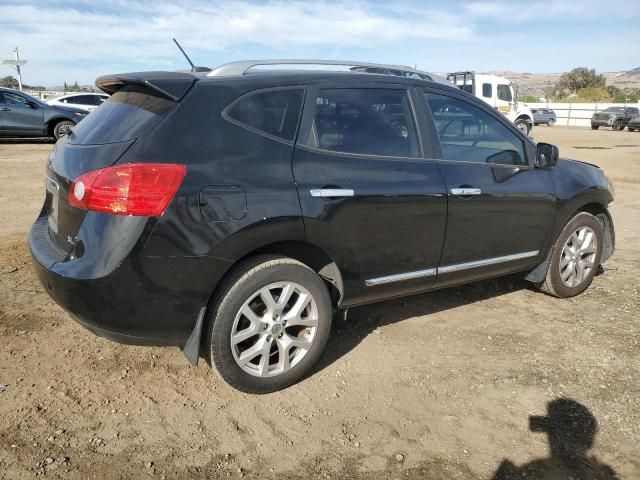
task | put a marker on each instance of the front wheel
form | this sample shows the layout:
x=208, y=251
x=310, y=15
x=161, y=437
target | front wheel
x=62, y=128
x=551, y=122
x=575, y=257
x=523, y=126
x=270, y=324
x=595, y=127
x=631, y=129
x=618, y=126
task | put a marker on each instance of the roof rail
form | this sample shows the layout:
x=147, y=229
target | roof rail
x=243, y=66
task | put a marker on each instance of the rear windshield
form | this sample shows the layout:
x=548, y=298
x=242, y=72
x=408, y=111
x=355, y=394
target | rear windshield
x=128, y=114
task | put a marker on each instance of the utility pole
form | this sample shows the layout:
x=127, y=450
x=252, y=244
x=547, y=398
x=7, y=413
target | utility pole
x=18, y=68
x=17, y=63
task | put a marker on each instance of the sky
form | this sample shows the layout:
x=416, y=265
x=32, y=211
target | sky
x=79, y=40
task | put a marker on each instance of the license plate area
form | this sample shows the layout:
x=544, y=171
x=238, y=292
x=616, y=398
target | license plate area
x=53, y=194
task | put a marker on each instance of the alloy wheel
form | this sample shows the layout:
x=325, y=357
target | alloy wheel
x=578, y=256
x=274, y=329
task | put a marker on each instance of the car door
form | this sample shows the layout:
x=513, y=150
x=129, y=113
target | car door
x=368, y=196
x=501, y=209
x=19, y=117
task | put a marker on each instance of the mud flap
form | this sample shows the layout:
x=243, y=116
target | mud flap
x=191, y=350
x=539, y=273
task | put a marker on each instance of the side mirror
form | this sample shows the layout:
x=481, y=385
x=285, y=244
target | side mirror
x=32, y=104
x=546, y=155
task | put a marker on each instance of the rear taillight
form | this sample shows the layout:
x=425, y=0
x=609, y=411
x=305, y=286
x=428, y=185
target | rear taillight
x=142, y=189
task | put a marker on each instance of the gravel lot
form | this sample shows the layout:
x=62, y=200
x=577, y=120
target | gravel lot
x=436, y=386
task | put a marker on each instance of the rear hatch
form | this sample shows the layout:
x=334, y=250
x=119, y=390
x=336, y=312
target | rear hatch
x=138, y=103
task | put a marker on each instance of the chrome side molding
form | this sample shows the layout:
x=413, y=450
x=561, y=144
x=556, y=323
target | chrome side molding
x=331, y=192
x=486, y=262
x=429, y=272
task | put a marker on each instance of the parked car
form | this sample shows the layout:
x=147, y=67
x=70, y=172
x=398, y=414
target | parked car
x=543, y=115
x=22, y=115
x=634, y=124
x=283, y=196
x=84, y=101
x=614, y=117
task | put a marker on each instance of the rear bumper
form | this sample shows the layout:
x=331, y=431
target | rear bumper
x=143, y=301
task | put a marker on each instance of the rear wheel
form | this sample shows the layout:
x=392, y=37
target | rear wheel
x=62, y=128
x=551, y=122
x=595, y=127
x=575, y=257
x=270, y=324
x=631, y=129
x=523, y=126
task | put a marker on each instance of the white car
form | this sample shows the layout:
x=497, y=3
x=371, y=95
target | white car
x=84, y=101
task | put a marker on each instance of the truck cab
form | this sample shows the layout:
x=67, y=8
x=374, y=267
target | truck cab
x=498, y=92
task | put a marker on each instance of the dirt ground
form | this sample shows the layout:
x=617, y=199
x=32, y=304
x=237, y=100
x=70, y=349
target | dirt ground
x=436, y=386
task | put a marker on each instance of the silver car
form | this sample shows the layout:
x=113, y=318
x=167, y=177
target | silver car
x=543, y=115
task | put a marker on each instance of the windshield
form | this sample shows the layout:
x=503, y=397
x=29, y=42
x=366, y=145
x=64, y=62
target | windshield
x=127, y=114
x=504, y=93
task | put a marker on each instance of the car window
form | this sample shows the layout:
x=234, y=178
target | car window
x=14, y=99
x=129, y=113
x=275, y=112
x=504, y=93
x=632, y=110
x=470, y=134
x=366, y=121
x=487, y=90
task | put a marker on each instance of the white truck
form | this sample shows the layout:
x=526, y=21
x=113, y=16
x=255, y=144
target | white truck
x=498, y=92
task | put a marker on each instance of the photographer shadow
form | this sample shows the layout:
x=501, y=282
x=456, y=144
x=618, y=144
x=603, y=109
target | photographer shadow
x=571, y=430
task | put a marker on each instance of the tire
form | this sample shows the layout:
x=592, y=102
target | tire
x=631, y=129
x=243, y=291
x=523, y=126
x=618, y=126
x=554, y=284
x=551, y=122
x=595, y=127
x=60, y=127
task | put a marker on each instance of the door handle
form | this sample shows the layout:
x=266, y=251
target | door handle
x=466, y=191
x=331, y=192
x=5, y=109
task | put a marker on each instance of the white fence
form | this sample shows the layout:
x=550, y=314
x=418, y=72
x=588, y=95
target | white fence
x=577, y=114
x=45, y=94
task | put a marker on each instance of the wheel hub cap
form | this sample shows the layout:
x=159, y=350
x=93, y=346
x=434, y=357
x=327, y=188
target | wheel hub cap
x=274, y=329
x=578, y=257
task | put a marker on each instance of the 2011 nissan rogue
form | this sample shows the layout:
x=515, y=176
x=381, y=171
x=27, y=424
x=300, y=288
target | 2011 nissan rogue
x=233, y=211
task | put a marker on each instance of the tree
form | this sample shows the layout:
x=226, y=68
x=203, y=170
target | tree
x=593, y=94
x=9, y=82
x=577, y=79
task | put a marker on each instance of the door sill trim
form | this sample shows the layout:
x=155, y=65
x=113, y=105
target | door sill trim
x=429, y=272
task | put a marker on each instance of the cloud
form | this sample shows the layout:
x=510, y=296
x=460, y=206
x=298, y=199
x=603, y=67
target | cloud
x=140, y=31
x=557, y=10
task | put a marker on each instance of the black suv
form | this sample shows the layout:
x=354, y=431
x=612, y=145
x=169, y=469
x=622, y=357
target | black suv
x=233, y=212
x=22, y=115
x=615, y=117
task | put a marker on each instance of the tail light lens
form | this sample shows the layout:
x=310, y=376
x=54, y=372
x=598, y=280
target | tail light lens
x=142, y=189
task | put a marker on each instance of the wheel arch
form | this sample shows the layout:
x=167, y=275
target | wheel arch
x=596, y=209
x=52, y=122
x=311, y=255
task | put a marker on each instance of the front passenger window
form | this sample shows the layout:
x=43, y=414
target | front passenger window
x=469, y=134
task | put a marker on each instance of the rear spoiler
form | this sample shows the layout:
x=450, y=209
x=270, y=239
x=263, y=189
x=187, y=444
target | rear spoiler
x=170, y=85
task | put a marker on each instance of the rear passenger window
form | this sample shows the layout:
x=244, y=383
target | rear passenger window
x=470, y=134
x=486, y=90
x=367, y=121
x=274, y=112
